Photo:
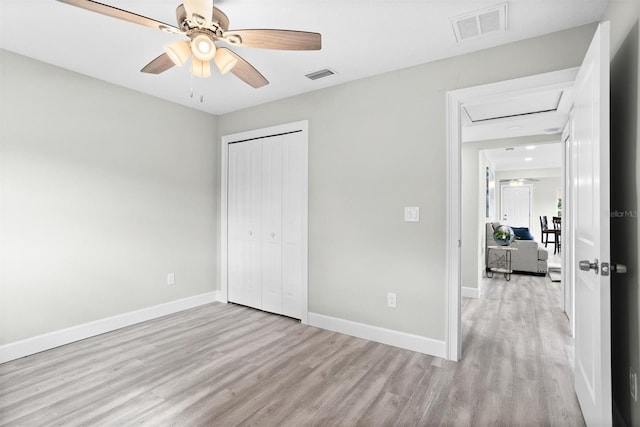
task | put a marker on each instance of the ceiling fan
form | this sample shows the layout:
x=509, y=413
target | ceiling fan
x=206, y=25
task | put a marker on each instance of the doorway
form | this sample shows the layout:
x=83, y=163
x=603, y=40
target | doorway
x=458, y=111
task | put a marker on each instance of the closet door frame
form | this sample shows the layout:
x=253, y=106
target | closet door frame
x=303, y=128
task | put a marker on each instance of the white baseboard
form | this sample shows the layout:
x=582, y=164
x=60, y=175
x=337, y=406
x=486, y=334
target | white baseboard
x=378, y=334
x=18, y=349
x=470, y=292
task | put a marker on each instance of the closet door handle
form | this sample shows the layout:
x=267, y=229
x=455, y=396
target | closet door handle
x=273, y=234
x=250, y=233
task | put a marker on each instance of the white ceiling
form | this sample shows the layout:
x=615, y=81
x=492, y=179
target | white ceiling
x=537, y=156
x=360, y=38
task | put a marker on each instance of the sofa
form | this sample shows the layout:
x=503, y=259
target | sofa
x=531, y=256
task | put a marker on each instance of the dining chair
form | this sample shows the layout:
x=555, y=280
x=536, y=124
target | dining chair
x=546, y=231
x=557, y=228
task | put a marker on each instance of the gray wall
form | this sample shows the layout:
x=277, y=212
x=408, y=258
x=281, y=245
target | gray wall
x=376, y=145
x=625, y=193
x=102, y=194
x=474, y=210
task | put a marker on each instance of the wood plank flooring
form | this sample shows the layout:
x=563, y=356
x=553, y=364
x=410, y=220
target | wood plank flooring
x=227, y=365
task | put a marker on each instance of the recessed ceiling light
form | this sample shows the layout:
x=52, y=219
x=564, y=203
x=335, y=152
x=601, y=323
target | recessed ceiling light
x=514, y=127
x=528, y=159
x=551, y=130
x=530, y=147
x=508, y=149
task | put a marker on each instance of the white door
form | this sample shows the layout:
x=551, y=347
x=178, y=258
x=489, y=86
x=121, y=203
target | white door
x=272, y=224
x=592, y=294
x=293, y=224
x=244, y=223
x=266, y=221
x=515, y=205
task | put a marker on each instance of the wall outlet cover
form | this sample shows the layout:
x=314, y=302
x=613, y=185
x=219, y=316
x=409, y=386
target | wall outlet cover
x=412, y=214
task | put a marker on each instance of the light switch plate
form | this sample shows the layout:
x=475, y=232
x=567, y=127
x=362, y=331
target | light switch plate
x=411, y=214
x=171, y=279
x=391, y=299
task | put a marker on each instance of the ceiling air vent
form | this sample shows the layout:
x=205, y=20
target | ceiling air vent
x=320, y=74
x=481, y=22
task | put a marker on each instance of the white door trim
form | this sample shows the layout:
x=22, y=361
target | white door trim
x=455, y=100
x=568, y=219
x=301, y=126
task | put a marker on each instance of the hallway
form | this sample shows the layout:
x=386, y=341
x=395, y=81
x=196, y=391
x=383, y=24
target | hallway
x=517, y=356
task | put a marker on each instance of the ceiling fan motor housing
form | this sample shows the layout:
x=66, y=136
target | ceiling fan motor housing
x=219, y=21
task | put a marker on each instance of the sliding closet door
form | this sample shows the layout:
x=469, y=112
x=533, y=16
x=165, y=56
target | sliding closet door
x=272, y=224
x=245, y=223
x=293, y=156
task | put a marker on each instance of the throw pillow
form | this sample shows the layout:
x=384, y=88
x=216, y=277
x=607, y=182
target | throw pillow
x=522, y=233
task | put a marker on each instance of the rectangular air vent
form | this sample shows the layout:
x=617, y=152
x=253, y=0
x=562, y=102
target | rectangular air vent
x=481, y=22
x=320, y=74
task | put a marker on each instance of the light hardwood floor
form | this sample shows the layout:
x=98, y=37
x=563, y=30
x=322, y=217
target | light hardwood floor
x=229, y=365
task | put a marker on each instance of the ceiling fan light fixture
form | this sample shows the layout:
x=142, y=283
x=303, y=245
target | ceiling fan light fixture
x=203, y=47
x=179, y=52
x=200, y=68
x=224, y=60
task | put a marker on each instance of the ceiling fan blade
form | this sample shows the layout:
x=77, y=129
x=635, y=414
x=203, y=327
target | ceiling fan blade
x=275, y=39
x=246, y=72
x=114, y=12
x=160, y=64
x=201, y=11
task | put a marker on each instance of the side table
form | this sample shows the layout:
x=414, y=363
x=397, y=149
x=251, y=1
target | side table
x=503, y=261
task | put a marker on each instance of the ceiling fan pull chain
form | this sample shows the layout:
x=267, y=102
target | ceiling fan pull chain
x=191, y=83
x=201, y=97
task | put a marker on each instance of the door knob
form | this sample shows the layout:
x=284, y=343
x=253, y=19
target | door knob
x=273, y=235
x=586, y=266
x=619, y=268
x=614, y=268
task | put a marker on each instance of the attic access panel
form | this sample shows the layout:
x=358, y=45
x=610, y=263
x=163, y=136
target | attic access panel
x=512, y=107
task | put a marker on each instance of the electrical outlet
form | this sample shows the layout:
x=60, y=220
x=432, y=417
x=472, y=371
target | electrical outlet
x=171, y=278
x=633, y=384
x=391, y=300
